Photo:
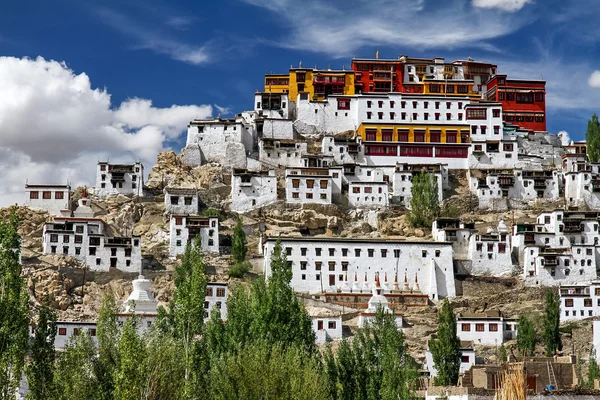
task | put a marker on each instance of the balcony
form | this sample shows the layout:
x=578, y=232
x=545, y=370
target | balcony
x=529, y=239
x=596, y=185
x=550, y=262
x=329, y=80
x=506, y=181
x=539, y=184
x=482, y=183
x=574, y=292
x=573, y=228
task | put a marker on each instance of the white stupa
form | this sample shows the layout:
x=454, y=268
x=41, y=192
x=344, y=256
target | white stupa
x=83, y=208
x=377, y=301
x=345, y=285
x=141, y=300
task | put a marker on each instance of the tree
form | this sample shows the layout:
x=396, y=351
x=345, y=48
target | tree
x=108, y=342
x=238, y=244
x=527, y=337
x=502, y=355
x=424, y=204
x=551, y=333
x=14, y=313
x=445, y=349
x=73, y=377
x=592, y=139
x=593, y=369
x=40, y=370
x=164, y=372
x=129, y=379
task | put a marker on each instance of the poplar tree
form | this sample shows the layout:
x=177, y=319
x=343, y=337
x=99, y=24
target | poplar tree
x=238, y=245
x=40, y=370
x=445, y=349
x=551, y=332
x=108, y=333
x=14, y=314
x=592, y=139
x=424, y=203
x=527, y=337
x=129, y=379
x=593, y=369
x=73, y=377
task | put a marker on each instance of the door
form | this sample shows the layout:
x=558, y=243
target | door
x=113, y=262
x=319, y=325
x=331, y=280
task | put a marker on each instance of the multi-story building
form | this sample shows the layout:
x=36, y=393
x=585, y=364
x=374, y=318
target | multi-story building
x=126, y=179
x=252, y=189
x=216, y=297
x=313, y=185
x=312, y=83
x=561, y=248
x=403, y=176
x=504, y=189
x=579, y=301
x=282, y=152
x=185, y=228
x=273, y=105
x=343, y=150
x=467, y=358
x=85, y=239
x=56, y=199
x=181, y=201
x=322, y=264
x=489, y=328
x=575, y=157
x=523, y=101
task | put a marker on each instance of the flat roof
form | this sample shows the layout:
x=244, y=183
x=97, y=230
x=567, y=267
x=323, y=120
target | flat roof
x=354, y=240
x=42, y=186
x=173, y=190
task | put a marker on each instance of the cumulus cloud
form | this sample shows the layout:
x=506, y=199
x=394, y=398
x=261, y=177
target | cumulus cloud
x=594, y=79
x=505, y=5
x=55, y=126
x=564, y=137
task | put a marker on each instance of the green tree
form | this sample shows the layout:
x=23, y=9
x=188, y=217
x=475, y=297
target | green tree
x=502, y=355
x=40, y=370
x=551, y=333
x=445, y=349
x=14, y=313
x=592, y=139
x=593, y=369
x=424, y=204
x=238, y=243
x=129, y=378
x=164, y=371
x=108, y=333
x=73, y=377
x=527, y=337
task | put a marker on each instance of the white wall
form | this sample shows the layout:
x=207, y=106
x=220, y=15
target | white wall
x=133, y=183
x=273, y=154
x=487, y=336
x=278, y=129
x=216, y=296
x=179, y=233
x=464, y=366
x=251, y=191
x=368, y=194
x=331, y=328
x=34, y=197
x=175, y=203
x=402, y=180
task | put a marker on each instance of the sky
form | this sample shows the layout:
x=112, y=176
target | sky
x=83, y=81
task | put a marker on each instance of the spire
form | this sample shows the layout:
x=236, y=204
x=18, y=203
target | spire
x=406, y=286
x=345, y=286
x=386, y=288
x=395, y=287
x=365, y=287
x=355, y=287
x=416, y=287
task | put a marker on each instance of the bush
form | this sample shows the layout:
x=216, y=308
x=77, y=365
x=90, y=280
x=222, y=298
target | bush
x=238, y=270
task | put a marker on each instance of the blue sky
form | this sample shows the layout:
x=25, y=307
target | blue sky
x=211, y=56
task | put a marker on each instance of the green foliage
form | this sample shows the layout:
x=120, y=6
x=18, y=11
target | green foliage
x=376, y=366
x=551, y=333
x=527, y=337
x=239, y=270
x=502, y=354
x=164, y=372
x=592, y=139
x=239, y=248
x=593, y=369
x=72, y=377
x=129, y=379
x=424, y=204
x=40, y=370
x=210, y=212
x=108, y=341
x=445, y=349
x=579, y=371
x=14, y=313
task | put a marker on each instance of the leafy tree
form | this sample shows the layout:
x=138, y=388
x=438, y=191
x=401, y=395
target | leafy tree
x=129, y=379
x=592, y=139
x=551, y=333
x=238, y=243
x=239, y=270
x=108, y=342
x=502, y=355
x=445, y=349
x=424, y=204
x=527, y=337
x=73, y=378
x=14, y=314
x=40, y=370
x=593, y=369
x=164, y=372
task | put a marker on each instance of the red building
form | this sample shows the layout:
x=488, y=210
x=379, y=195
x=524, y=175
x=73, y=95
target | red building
x=375, y=75
x=523, y=101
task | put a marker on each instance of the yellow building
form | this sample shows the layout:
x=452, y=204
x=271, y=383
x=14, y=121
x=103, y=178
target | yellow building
x=318, y=84
x=459, y=88
x=414, y=133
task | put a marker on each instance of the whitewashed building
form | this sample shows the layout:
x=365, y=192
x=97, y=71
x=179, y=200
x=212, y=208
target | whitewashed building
x=368, y=194
x=65, y=330
x=321, y=264
x=488, y=328
x=56, y=199
x=281, y=152
x=560, y=249
x=579, y=301
x=343, y=150
x=183, y=229
x=467, y=359
x=313, y=185
x=501, y=190
x=326, y=324
x=182, y=201
x=126, y=179
x=376, y=302
x=273, y=106
x=252, y=189
x=582, y=186
x=403, y=176
x=216, y=297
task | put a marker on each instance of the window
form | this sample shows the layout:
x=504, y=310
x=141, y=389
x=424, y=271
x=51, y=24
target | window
x=466, y=327
x=383, y=253
x=493, y=327
x=396, y=253
x=464, y=359
x=295, y=183
x=371, y=252
x=331, y=325
x=343, y=104
x=476, y=113
x=92, y=251
x=331, y=252
x=568, y=302
x=587, y=302
x=46, y=195
x=434, y=88
x=357, y=252
x=59, y=195
x=423, y=253
x=479, y=327
x=331, y=265
x=318, y=265
x=448, y=116
x=77, y=250
x=98, y=261
x=178, y=221
x=318, y=251
x=53, y=238
x=344, y=266
x=438, y=253
x=501, y=247
x=65, y=250
x=34, y=195
x=496, y=113
x=525, y=98
x=62, y=331
x=295, y=195
x=53, y=249
x=510, y=96
x=309, y=195
x=323, y=184
x=462, y=89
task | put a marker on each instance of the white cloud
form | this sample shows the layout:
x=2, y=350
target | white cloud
x=55, y=127
x=594, y=79
x=505, y=5
x=340, y=30
x=564, y=137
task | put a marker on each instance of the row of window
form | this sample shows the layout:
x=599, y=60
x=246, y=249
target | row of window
x=586, y=302
x=63, y=331
x=357, y=252
x=418, y=136
x=187, y=200
x=490, y=247
x=296, y=195
x=119, y=185
x=366, y=189
x=220, y=292
x=179, y=243
x=179, y=221
x=46, y=195
x=417, y=151
x=522, y=98
x=92, y=251
x=479, y=327
x=415, y=116
x=310, y=183
x=521, y=118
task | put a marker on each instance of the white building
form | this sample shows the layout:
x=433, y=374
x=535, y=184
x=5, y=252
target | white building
x=376, y=302
x=183, y=229
x=56, y=199
x=501, y=190
x=321, y=264
x=65, y=330
x=252, y=189
x=467, y=359
x=85, y=239
x=368, y=194
x=343, y=150
x=560, y=249
x=126, y=179
x=489, y=328
x=582, y=186
x=403, y=176
x=281, y=152
x=313, y=185
x=216, y=297
x=580, y=301
x=273, y=106
x=326, y=324
x=182, y=201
